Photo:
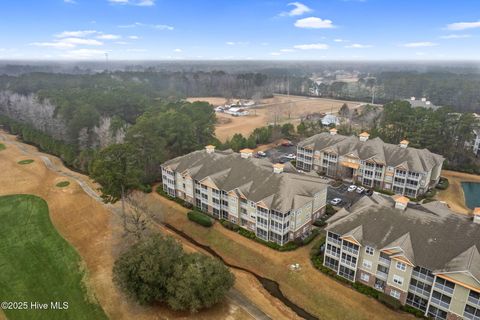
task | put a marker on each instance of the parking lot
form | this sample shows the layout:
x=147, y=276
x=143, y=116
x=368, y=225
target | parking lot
x=276, y=154
x=348, y=198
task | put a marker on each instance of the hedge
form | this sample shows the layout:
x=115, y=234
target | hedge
x=200, y=218
x=181, y=202
x=390, y=302
x=443, y=184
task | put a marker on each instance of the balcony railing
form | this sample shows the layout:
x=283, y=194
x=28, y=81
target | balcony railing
x=335, y=241
x=443, y=288
x=475, y=302
x=469, y=316
x=382, y=275
x=440, y=303
x=332, y=253
x=422, y=276
x=349, y=263
x=350, y=250
x=384, y=261
x=422, y=292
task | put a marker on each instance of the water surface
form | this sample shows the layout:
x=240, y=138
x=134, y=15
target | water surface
x=472, y=194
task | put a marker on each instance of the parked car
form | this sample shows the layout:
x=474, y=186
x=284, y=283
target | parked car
x=261, y=154
x=290, y=156
x=368, y=192
x=360, y=190
x=287, y=144
x=352, y=188
x=283, y=160
x=335, y=201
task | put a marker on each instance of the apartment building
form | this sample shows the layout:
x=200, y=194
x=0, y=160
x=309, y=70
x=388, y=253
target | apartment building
x=476, y=142
x=371, y=162
x=273, y=200
x=426, y=256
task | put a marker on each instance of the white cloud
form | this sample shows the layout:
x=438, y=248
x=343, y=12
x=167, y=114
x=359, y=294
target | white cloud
x=358, y=46
x=121, y=42
x=299, y=9
x=312, y=46
x=177, y=50
x=340, y=40
x=230, y=43
x=463, y=25
x=140, y=3
x=134, y=37
x=237, y=43
x=57, y=45
x=82, y=41
x=275, y=53
x=456, y=36
x=79, y=33
x=314, y=23
x=109, y=36
x=153, y=26
x=70, y=1
x=287, y=50
x=84, y=54
x=419, y=44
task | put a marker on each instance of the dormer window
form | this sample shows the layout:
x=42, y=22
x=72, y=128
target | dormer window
x=369, y=250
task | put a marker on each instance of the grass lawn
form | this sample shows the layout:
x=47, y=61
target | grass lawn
x=38, y=265
x=63, y=184
x=2, y=147
x=27, y=161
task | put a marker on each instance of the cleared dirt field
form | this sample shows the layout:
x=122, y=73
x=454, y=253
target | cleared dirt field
x=90, y=228
x=454, y=195
x=281, y=108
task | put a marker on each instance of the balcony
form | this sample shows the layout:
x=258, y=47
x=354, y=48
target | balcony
x=443, y=288
x=384, y=261
x=401, y=175
x=349, y=263
x=419, y=291
x=350, y=250
x=335, y=241
x=440, y=303
x=474, y=302
x=332, y=253
x=381, y=275
x=422, y=276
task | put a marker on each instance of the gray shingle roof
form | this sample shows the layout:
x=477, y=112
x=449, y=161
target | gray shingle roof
x=253, y=177
x=416, y=160
x=422, y=104
x=430, y=235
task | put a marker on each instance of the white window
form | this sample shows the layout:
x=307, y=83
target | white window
x=367, y=264
x=369, y=250
x=398, y=280
x=395, y=294
x=365, y=277
x=401, y=266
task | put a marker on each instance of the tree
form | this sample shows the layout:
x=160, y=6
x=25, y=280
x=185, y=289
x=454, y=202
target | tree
x=116, y=169
x=144, y=270
x=288, y=130
x=302, y=129
x=199, y=282
x=344, y=111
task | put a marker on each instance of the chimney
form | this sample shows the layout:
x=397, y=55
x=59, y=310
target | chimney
x=424, y=99
x=404, y=144
x=278, y=168
x=476, y=215
x=210, y=148
x=246, y=153
x=401, y=202
x=412, y=98
x=333, y=131
x=364, y=136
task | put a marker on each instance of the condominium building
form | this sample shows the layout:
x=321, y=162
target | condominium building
x=426, y=256
x=371, y=162
x=273, y=200
x=476, y=142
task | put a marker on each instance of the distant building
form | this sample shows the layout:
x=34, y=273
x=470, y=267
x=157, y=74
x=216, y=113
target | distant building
x=236, y=111
x=371, y=162
x=273, y=200
x=425, y=256
x=476, y=142
x=422, y=103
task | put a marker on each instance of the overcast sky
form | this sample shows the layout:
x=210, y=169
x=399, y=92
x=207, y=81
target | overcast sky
x=240, y=29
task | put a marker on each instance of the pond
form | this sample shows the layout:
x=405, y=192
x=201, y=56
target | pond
x=472, y=194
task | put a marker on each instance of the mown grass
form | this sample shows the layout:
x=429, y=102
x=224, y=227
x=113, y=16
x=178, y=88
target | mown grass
x=63, y=184
x=26, y=161
x=38, y=265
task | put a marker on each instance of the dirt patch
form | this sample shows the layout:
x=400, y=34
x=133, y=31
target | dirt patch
x=91, y=228
x=215, y=101
x=454, y=195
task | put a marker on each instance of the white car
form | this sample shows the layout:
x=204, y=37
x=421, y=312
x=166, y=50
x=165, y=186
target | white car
x=335, y=201
x=290, y=156
x=352, y=188
x=360, y=190
x=261, y=154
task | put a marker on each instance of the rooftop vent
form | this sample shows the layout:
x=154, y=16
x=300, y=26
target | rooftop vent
x=404, y=144
x=210, y=148
x=412, y=98
x=333, y=131
x=476, y=215
x=278, y=168
x=364, y=136
x=401, y=202
x=246, y=153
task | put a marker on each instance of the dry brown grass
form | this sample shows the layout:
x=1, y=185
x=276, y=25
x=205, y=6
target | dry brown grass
x=454, y=195
x=91, y=228
x=283, y=108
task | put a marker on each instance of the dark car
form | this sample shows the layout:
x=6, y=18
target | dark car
x=368, y=192
x=287, y=144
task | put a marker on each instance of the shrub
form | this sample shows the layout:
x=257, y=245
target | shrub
x=330, y=210
x=319, y=223
x=443, y=183
x=229, y=225
x=2, y=147
x=387, y=192
x=200, y=218
x=310, y=237
x=145, y=188
x=430, y=193
x=27, y=161
x=63, y=184
x=417, y=313
x=366, y=290
x=389, y=301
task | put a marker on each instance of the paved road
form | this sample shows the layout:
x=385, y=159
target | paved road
x=234, y=295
